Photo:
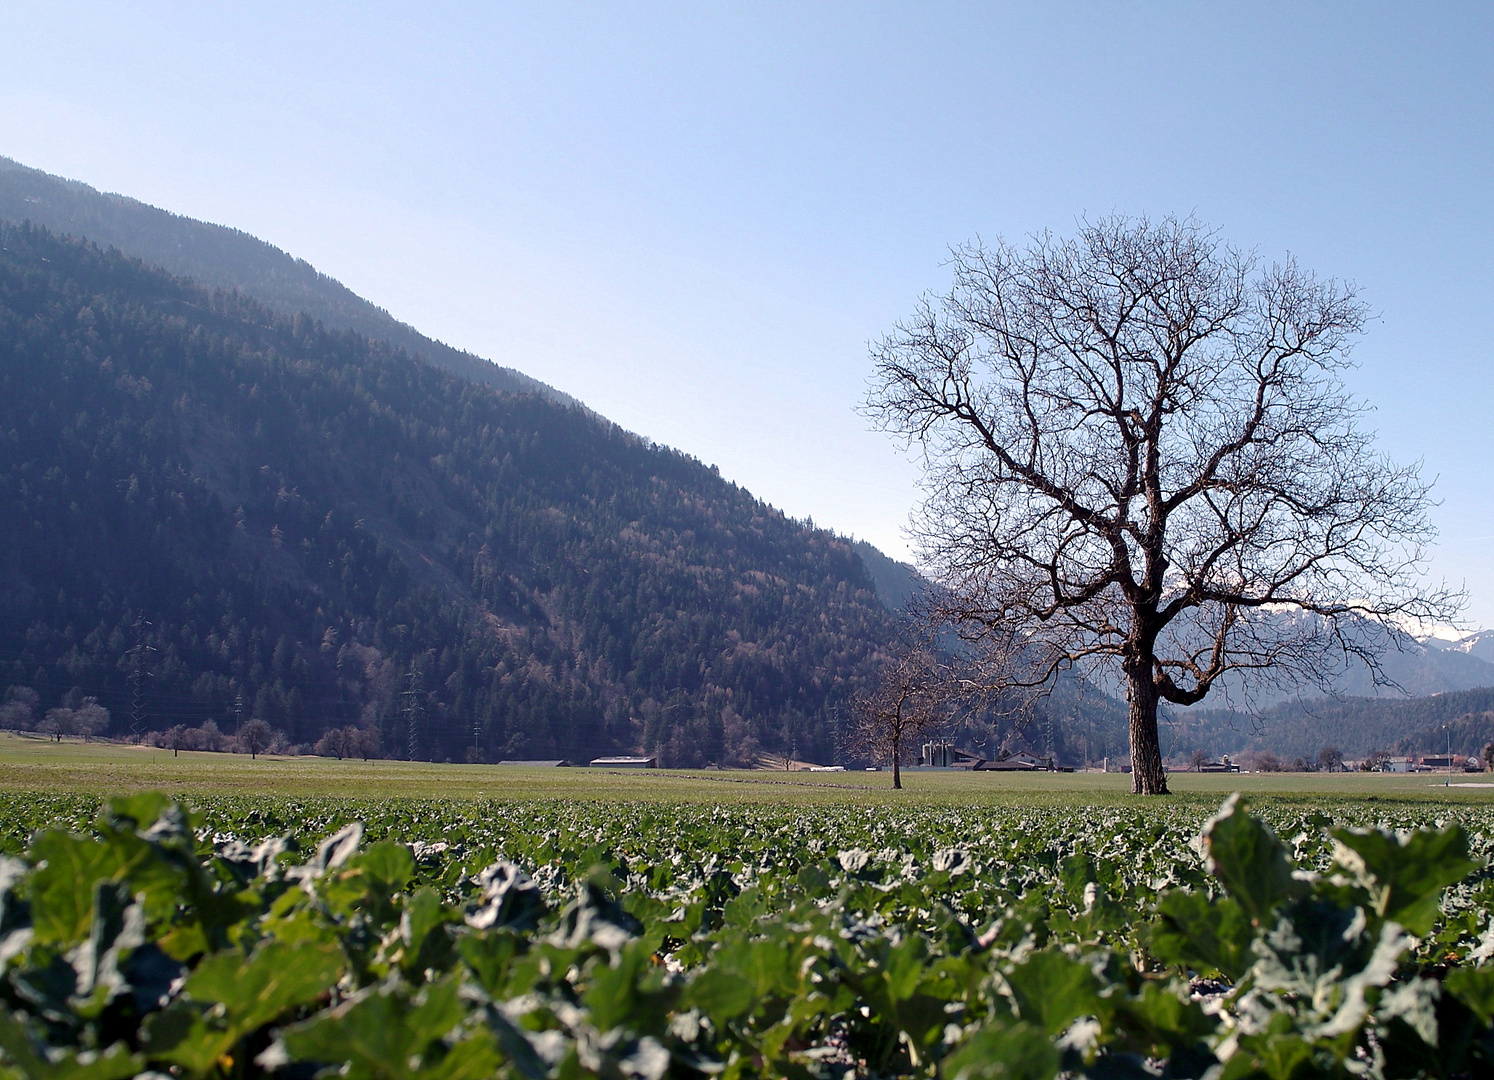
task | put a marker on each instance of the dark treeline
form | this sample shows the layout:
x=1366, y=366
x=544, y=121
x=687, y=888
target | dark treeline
x=248, y=516
x=1465, y=734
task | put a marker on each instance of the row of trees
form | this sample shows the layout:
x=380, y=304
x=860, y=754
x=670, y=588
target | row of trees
x=253, y=738
x=20, y=711
x=350, y=742
x=256, y=737
x=1328, y=759
x=84, y=717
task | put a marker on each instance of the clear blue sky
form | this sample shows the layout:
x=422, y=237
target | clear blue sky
x=695, y=217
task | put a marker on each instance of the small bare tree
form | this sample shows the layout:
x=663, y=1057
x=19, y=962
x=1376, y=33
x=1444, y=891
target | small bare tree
x=911, y=697
x=255, y=736
x=1265, y=761
x=176, y=738
x=1141, y=463
x=368, y=744
x=210, y=737
x=335, y=743
x=57, y=723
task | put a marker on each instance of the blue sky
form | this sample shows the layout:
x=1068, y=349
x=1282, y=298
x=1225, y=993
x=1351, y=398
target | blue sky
x=695, y=217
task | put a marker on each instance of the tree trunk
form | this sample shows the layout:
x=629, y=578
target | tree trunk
x=1147, y=776
x=897, y=760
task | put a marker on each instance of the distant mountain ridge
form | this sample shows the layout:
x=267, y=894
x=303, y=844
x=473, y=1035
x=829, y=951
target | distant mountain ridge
x=1479, y=644
x=224, y=258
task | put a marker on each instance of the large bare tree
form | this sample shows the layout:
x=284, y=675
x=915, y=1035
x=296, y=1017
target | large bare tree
x=1141, y=460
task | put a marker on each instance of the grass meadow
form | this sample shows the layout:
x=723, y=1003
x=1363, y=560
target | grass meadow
x=31, y=764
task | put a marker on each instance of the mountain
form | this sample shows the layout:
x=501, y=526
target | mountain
x=1479, y=645
x=244, y=506
x=897, y=583
x=1301, y=727
x=1409, y=668
x=224, y=258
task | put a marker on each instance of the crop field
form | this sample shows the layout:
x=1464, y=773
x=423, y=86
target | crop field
x=388, y=920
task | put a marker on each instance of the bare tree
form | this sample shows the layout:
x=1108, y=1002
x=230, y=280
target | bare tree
x=90, y=718
x=368, y=743
x=1265, y=761
x=1331, y=758
x=911, y=697
x=333, y=743
x=1141, y=463
x=57, y=723
x=18, y=712
x=176, y=738
x=255, y=736
x=1197, y=760
x=340, y=742
x=210, y=737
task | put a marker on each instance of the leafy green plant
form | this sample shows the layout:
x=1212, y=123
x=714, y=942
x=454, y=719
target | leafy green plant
x=568, y=940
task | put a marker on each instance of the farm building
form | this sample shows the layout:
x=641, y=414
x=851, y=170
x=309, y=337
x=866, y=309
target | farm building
x=1444, y=763
x=625, y=763
x=1019, y=762
x=943, y=754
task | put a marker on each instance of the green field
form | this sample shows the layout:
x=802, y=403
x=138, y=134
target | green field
x=398, y=921
x=40, y=765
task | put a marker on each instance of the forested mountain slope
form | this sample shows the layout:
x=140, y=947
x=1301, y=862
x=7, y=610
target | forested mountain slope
x=226, y=258
x=898, y=584
x=1355, y=725
x=305, y=517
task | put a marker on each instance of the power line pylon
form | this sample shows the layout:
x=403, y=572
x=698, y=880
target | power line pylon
x=414, y=710
x=137, y=679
